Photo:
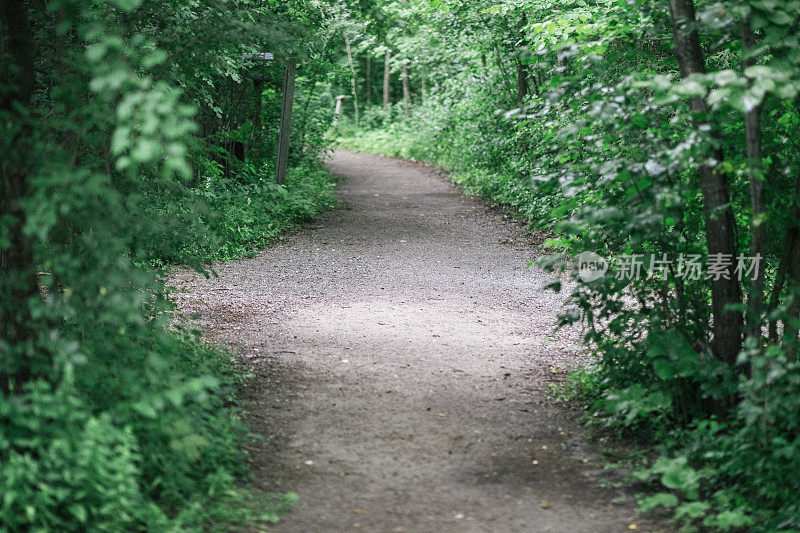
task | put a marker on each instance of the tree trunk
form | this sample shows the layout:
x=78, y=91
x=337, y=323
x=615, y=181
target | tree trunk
x=406, y=89
x=368, y=87
x=790, y=242
x=285, y=131
x=522, y=83
x=387, y=70
x=258, y=89
x=304, y=115
x=352, y=78
x=752, y=130
x=522, y=69
x=719, y=221
x=423, y=81
x=499, y=62
x=18, y=274
x=790, y=331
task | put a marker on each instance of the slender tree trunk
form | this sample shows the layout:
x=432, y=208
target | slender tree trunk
x=719, y=221
x=387, y=71
x=18, y=273
x=368, y=87
x=258, y=88
x=406, y=89
x=788, y=270
x=423, y=81
x=791, y=240
x=352, y=78
x=285, y=131
x=305, y=113
x=522, y=83
x=789, y=243
x=522, y=69
x=790, y=330
x=752, y=130
x=499, y=62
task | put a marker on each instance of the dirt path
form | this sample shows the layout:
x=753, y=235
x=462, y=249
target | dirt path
x=402, y=351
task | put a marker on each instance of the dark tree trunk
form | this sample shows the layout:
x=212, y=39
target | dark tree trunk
x=789, y=240
x=790, y=331
x=719, y=221
x=522, y=83
x=285, y=131
x=499, y=62
x=18, y=273
x=752, y=130
x=258, y=88
x=522, y=69
x=387, y=71
x=406, y=89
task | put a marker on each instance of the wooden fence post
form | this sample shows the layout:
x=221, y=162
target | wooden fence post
x=338, y=110
x=286, y=122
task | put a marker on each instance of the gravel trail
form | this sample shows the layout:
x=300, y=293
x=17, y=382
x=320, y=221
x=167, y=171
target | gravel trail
x=403, y=352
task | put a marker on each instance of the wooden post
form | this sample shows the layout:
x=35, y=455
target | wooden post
x=286, y=122
x=338, y=110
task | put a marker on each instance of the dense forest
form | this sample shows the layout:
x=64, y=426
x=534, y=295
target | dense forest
x=662, y=137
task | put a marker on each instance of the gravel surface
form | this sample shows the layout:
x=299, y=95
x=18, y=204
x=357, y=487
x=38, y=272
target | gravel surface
x=403, y=352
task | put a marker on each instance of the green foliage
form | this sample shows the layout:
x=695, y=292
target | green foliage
x=239, y=215
x=130, y=140
x=64, y=469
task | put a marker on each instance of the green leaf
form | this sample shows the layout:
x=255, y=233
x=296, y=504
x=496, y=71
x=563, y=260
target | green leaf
x=662, y=499
x=692, y=510
x=663, y=369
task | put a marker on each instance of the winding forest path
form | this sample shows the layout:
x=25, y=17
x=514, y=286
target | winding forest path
x=402, y=351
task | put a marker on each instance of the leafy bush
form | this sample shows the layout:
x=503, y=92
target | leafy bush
x=120, y=120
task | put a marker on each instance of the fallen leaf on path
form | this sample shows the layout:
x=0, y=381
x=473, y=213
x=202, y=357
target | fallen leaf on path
x=633, y=526
x=359, y=511
x=545, y=504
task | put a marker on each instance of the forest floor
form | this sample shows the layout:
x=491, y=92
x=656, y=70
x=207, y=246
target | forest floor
x=403, y=352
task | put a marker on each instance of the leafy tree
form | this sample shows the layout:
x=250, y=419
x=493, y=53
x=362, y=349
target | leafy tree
x=120, y=154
